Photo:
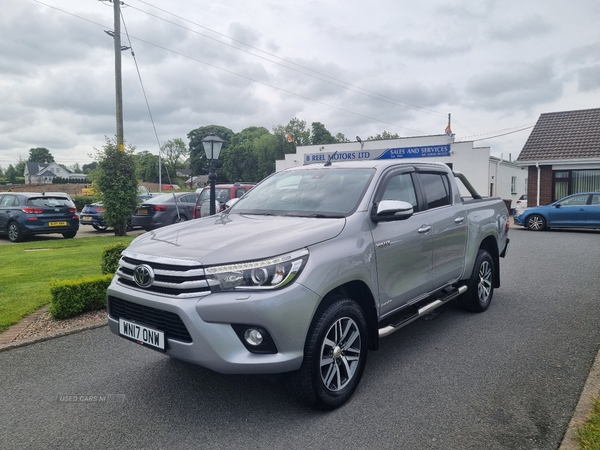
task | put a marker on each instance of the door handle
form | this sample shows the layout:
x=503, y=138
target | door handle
x=459, y=220
x=424, y=229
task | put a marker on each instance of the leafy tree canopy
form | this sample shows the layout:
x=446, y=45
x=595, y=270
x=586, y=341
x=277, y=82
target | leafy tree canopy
x=198, y=162
x=383, y=136
x=320, y=134
x=173, y=153
x=41, y=155
x=87, y=168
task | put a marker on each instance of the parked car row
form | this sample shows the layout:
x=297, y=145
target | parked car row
x=580, y=210
x=92, y=213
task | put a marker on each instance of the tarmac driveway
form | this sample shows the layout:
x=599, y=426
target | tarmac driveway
x=505, y=379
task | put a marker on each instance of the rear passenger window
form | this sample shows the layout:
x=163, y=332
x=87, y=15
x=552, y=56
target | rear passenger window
x=437, y=189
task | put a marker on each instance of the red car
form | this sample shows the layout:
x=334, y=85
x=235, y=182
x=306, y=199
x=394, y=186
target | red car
x=223, y=193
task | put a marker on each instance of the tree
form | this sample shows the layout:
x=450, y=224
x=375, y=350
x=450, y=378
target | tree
x=1, y=173
x=40, y=155
x=339, y=137
x=320, y=134
x=383, y=136
x=198, y=163
x=20, y=166
x=87, y=168
x=11, y=174
x=116, y=181
x=75, y=168
x=172, y=152
x=147, y=167
x=242, y=160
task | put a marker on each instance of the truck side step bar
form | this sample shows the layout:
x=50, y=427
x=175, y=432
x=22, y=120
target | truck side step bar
x=426, y=309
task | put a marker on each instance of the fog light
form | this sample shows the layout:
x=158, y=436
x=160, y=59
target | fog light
x=253, y=336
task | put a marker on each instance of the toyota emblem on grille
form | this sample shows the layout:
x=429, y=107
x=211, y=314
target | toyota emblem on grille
x=143, y=275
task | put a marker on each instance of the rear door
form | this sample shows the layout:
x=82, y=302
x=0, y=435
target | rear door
x=403, y=248
x=592, y=217
x=449, y=226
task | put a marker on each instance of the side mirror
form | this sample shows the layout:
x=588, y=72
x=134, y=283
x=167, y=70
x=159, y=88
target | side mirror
x=392, y=210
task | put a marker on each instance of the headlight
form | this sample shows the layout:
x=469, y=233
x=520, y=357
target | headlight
x=272, y=273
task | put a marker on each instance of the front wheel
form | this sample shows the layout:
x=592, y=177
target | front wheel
x=335, y=355
x=481, y=284
x=536, y=223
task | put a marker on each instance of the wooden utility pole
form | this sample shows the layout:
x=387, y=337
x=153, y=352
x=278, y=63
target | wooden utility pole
x=118, y=86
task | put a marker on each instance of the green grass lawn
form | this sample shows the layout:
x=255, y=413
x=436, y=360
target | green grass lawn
x=589, y=434
x=28, y=267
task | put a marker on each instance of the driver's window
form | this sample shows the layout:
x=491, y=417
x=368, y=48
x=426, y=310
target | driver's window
x=400, y=187
x=577, y=200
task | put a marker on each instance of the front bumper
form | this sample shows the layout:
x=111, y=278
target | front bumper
x=213, y=343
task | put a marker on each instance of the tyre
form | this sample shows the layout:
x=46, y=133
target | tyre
x=128, y=225
x=536, y=222
x=178, y=219
x=99, y=226
x=335, y=354
x=481, y=284
x=14, y=232
x=69, y=234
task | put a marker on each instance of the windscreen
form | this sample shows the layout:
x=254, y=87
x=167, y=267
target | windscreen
x=320, y=192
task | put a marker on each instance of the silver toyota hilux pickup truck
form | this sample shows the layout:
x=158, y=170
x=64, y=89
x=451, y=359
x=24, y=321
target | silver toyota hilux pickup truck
x=307, y=271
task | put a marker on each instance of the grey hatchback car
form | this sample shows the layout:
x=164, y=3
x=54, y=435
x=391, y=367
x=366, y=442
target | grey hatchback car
x=164, y=209
x=24, y=214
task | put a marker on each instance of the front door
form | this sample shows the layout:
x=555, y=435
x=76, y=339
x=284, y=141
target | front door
x=403, y=248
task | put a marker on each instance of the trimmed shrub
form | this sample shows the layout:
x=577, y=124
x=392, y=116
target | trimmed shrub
x=72, y=297
x=111, y=256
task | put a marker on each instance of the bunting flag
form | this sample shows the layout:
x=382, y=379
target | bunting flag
x=289, y=137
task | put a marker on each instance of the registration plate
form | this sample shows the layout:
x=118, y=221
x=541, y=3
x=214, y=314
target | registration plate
x=142, y=211
x=86, y=218
x=142, y=335
x=57, y=224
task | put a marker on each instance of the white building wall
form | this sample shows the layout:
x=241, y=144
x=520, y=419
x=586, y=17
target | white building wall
x=501, y=173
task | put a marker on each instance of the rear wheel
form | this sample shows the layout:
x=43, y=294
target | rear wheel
x=100, y=226
x=481, y=284
x=335, y=355
x=536, y=223
x=69, y=234
x=14, y=232
x=179, y=219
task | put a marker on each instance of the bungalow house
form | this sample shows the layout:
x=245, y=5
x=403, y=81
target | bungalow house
x=44, y=173
x=562, y=155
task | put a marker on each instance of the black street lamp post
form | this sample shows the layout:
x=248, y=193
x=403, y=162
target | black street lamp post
x=212, y=147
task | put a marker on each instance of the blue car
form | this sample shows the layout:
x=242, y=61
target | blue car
x=575, y=211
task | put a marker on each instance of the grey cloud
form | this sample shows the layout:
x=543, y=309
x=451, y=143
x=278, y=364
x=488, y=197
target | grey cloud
x=519, y=86
x=533, y=26
x=588, y=79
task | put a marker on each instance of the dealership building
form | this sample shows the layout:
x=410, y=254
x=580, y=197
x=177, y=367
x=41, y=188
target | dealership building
x=490, y=176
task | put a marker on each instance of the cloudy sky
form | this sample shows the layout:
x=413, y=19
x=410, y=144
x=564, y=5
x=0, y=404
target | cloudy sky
x=359, y=67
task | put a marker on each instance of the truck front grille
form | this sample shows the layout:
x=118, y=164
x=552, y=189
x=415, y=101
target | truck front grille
x=177, y=278
x=168, y=322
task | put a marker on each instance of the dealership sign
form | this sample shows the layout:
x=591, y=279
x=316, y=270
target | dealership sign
x=427, y=151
